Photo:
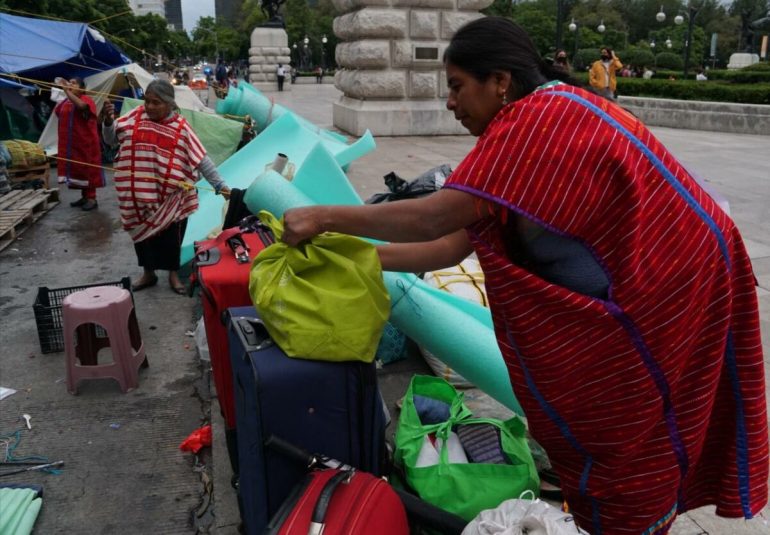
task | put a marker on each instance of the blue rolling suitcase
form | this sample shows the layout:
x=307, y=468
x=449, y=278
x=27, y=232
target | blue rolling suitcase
x=327, y=407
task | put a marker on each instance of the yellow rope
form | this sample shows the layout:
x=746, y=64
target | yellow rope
x=110, y=17
x=180, y=183
x=52, y=85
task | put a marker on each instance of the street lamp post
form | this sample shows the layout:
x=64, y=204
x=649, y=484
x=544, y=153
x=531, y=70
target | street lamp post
x=559, y=18
x=324, y=40
x=574, y=27
x=305, y=54
x=692, y=11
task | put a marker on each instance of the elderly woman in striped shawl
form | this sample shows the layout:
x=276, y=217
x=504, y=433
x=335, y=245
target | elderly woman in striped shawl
x=156, y=168
x=622, y=296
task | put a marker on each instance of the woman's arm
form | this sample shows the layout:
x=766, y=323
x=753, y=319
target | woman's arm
x=444, y=252
x=414, y=220
x=212, y=176
x=76, y=101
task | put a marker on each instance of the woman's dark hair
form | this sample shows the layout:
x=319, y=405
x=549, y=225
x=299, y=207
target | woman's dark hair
x=491, y=44
x=78, y=80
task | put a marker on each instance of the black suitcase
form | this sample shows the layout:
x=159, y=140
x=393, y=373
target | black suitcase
x=319, y=406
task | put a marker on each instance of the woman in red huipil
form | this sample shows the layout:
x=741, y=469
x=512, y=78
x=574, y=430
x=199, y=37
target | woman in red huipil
x=622, y=296
x=80, y=151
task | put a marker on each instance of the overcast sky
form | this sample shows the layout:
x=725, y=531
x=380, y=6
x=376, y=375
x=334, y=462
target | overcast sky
x=192, y=10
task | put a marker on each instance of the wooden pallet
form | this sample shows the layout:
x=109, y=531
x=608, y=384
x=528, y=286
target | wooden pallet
x=26, y=174
x=19, y=210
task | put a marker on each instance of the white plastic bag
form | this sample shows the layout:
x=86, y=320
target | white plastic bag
x=523, y=517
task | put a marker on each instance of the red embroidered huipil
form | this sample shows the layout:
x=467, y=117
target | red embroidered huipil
x=652, y=401
x=79, y=150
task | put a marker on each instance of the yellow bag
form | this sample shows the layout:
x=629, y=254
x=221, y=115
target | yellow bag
x=322, y=300
x=25, y=153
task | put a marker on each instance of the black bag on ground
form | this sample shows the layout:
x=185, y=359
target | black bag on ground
x=425, y=184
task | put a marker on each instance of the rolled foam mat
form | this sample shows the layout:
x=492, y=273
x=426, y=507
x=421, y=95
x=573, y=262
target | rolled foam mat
x=284, y=135
x=456, y=330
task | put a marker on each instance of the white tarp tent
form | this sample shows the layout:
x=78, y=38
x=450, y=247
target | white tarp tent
x=111, y=83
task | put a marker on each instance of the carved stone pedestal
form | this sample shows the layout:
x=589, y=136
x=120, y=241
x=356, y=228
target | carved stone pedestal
x=391, y=69
x=269, y=47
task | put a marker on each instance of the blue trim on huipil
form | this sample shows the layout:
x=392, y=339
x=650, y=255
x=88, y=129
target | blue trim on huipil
x=668, y=175
x=741, y=446
x=741, y=438
x=563, y=427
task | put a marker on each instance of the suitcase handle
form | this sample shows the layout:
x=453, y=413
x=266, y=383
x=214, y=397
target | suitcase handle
x=310, y=460
x=325, y=498
x=208, y=257
x=252, y=333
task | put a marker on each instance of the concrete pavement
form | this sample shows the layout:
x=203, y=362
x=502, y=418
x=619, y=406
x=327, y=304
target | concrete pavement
x=124, y=472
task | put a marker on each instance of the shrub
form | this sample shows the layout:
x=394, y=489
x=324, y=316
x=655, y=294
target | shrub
x=669, y=60
x=740, y=76
x=692, y=90
x=637, y=56
x=584, y=58
x=757, y=67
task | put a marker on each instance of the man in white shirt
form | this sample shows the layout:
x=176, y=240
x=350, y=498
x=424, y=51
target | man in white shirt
x=701, y=76
x=280, y=74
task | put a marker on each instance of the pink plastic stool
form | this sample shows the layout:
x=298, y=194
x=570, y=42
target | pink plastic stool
x=112, y=309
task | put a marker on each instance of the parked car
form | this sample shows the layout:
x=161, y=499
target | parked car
x=199, y=81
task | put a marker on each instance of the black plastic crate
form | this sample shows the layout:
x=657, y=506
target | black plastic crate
x=47, y=307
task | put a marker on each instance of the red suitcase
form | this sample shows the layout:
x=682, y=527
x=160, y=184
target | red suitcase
x=222, y=272
x=341, y=502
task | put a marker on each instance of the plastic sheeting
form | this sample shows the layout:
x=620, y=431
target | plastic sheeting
x=121, y=81
x=44, y=49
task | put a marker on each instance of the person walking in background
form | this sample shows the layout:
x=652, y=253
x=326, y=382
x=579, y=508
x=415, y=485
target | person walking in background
x=80, y=150
x=280, y=75
x=319, y=75
x=602, y=76
x=701, y=76
x=158, y=161
x=622, y=296
x=220, y=74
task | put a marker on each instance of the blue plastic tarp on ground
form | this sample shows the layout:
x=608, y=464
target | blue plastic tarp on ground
x=38, y=49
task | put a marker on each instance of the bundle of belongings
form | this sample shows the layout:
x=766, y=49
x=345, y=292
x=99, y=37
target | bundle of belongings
x=443, y=451
x=399, y=189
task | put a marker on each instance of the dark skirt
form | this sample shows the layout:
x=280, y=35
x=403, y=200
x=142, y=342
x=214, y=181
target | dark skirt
x=162, y=250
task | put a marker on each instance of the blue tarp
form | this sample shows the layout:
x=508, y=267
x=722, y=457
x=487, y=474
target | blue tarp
x=44, y=49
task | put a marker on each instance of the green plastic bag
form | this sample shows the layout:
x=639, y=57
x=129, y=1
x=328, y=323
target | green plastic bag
x=322, y=300
x=463, y=489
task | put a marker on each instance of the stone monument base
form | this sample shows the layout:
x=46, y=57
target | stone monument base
x=396, y=117
x=742, y=59
x=269, y=47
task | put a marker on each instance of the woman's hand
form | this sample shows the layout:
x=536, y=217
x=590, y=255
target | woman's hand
x=300, y=224
x=109, y=112
x=225, y=192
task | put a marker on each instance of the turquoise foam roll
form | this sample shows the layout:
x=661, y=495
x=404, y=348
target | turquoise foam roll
x=456, y=330
x=285, y=135
x=247, y=100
